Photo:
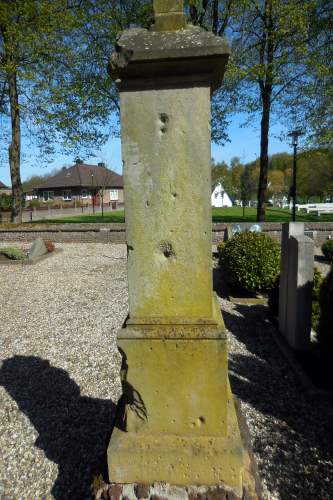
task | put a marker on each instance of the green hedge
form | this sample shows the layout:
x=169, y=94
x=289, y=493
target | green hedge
x=325, y=328
x=251, y=261
x=273, y=298
x=327, y=249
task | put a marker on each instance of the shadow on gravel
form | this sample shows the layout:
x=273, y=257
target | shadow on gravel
x=293, y=433
x=74, y=430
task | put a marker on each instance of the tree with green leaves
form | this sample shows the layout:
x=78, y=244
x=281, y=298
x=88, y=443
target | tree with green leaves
x=53, y=79
x=280, y=57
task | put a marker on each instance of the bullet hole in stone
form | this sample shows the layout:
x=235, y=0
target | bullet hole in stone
x=174, y=195
x=147, y=203
x=202, y=420
x=129, y=247
x=164, y=119
x=167, y=249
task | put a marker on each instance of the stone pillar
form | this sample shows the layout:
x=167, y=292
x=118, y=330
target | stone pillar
x=288, y=229
x=176, y=419
x=300, y=283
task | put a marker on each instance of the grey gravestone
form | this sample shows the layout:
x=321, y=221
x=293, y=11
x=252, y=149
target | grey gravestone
x=38, y=249
x=288, y=229
x=300, y=283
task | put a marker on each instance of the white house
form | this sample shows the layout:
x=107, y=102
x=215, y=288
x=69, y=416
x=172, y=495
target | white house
x=220, y=197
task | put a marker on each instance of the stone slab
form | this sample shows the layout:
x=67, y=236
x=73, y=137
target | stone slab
x=300, y=283
x=179, y=459
x=288, y=229
x=38, y=248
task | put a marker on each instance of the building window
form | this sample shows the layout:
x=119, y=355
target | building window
x=84, y=193
x=114, y=195
x=48, y=195
x=67, y=195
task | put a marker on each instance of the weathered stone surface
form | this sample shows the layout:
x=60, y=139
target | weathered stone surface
x=300, y=283
x=38, y=248
x=167, y=164
x=288, y=229
x=176, y=419
x=169, y=15
x=180, y=58
x=166, y=6
x=185, y=459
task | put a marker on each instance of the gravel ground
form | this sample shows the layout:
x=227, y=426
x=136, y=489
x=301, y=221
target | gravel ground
x=59, y=382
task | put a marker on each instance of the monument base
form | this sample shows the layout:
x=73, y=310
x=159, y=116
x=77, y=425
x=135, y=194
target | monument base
x=179, y=460
x=176, y=420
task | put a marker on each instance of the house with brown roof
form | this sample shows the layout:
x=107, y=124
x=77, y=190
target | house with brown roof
x=89, y=184
x=4, y=189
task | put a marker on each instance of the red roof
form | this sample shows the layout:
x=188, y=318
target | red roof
x=82, y=175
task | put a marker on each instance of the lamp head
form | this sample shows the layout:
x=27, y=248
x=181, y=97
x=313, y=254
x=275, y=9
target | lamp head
x=294, y=136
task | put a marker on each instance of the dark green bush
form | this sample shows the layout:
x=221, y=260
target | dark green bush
x=327, y=249
x=251, y=261
x=325, y=327
x=13, y=253
x=273, y=298
x=317, y=284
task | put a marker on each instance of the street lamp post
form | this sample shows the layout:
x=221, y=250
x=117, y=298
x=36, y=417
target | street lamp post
x=294, y=137
x=92, y=192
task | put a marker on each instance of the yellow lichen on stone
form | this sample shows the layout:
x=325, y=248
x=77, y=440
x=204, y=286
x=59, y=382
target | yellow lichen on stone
x=169, y=15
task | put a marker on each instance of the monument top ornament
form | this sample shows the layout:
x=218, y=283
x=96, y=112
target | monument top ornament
x=169, y=50
x=169, y=15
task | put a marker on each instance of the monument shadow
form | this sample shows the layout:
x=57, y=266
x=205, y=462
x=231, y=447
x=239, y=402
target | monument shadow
x=74, y=430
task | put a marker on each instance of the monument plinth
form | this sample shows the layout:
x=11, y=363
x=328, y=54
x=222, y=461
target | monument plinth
x=176, y=419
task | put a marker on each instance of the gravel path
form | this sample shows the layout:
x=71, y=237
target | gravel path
x=59, y=382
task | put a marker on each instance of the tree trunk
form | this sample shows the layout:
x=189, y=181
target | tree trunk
x=266, y=59
x=215, y=17
x=14, y=150
x=262, y=187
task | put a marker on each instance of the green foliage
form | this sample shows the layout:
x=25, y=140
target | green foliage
x=317, y=284
x=327, y=249
x=13, y=253
x=220, y=248
x=325, y=327
x=251, y=261
x=34, y=203
x=5, y=201
x=273, y=298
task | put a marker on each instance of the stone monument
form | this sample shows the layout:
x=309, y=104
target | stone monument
x=176, y=419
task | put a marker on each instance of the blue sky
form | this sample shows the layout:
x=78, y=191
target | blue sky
x=244, y=142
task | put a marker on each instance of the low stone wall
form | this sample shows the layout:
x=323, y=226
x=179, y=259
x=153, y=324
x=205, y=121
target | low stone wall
x=67, y=233
x=318, y=231
x=115, y=233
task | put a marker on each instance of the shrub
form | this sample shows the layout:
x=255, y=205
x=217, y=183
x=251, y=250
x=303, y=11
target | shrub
x=317, y=284
x=273, y=298
x=49, y=245
x=13, y=253
x=325, y=327
x=34, y=203
x=251, y=261
x=327, y=249
x=220, y=247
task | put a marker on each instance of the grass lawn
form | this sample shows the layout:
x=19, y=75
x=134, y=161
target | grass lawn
x=234, y=214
